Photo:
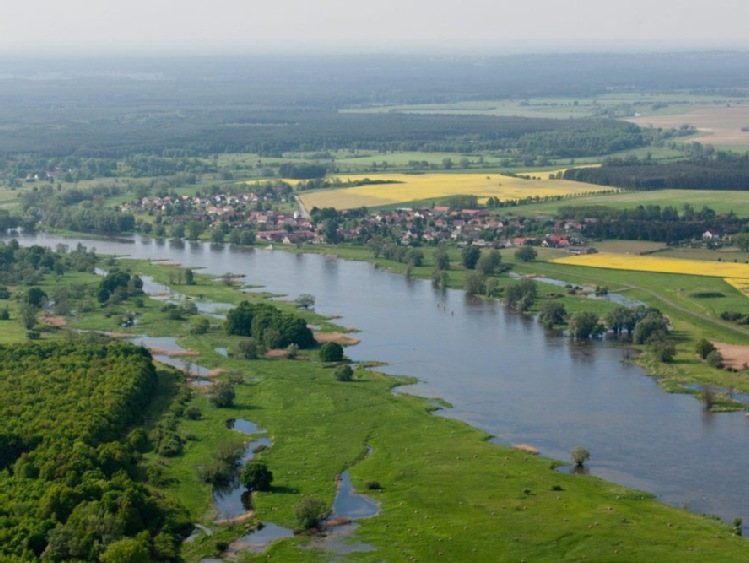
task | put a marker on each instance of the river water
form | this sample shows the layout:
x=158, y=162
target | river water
x=502, y=372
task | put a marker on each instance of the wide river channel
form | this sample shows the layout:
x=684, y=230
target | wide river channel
x=502, y=372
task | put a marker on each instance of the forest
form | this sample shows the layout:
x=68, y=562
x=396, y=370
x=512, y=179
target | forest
x=721, y=172
x=70, y=486
x=651, y=222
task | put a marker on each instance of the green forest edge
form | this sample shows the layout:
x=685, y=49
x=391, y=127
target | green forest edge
x=446, y=492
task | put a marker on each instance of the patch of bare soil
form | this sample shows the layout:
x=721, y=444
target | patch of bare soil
x=339, y=337
x=277, y=353
x=735, y=357
x=526, y=448
x=173, y=353
x=236, y=520
x=55, y=320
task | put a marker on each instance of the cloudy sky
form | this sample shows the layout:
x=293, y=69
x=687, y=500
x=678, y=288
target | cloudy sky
x=371, y=26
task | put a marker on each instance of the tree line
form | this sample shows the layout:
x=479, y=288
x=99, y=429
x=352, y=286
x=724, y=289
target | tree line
x=722, y=172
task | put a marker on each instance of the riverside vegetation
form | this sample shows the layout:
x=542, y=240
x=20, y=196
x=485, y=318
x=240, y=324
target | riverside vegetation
x=445, y=491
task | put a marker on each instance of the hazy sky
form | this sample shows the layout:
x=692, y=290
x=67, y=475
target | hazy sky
x=370, y=26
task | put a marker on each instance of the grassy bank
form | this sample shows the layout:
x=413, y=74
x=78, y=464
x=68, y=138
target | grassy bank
x=447, y=492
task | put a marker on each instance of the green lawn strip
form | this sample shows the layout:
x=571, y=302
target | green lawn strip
x=726, y=202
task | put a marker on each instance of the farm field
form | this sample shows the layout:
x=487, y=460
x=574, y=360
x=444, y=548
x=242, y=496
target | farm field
x=660, y=265
x=716, y=125
x=721, y=202
x=412, y=188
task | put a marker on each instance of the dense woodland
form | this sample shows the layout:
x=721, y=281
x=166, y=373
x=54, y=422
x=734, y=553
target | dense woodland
x=69, y=478
x=722, y=172
x=652, y=222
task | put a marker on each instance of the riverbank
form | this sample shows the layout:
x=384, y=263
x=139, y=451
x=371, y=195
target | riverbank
x=446, y=491
x=692, y=318
x=438, y=475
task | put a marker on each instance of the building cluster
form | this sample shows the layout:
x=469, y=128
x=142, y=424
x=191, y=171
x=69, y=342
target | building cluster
x=407, y=226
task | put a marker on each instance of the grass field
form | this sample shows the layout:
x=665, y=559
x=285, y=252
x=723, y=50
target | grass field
x=423, y=186
x=565, y=108
x=722, y=202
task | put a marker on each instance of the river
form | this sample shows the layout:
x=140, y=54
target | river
x=502, y=372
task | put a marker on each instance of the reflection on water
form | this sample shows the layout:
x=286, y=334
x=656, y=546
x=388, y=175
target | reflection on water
x=232, y=499
x=504, y=373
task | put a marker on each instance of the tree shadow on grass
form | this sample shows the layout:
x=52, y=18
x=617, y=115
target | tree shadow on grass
x=283, y=490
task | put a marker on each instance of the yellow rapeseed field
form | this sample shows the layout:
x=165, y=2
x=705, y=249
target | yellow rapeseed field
x=419, y=187
x=730, y=270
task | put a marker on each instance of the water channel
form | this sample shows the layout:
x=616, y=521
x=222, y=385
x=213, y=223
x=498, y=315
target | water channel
x=502, y=372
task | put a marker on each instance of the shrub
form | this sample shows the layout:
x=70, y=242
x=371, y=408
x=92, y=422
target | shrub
x=579, y=455
x=193, y=413
x=223, y=394
x=310, y=512
x=344, y=373
x=331, y=352
x=704, y=347
x=715, y=359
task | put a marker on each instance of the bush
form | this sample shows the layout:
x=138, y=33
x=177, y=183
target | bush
x=331, y=352
x=193, y=413
x=704, y=347
x=310, y=512
x=248, y=349
x=715, y=359
x=344, y=373
x=223, y=394
x=526, y=254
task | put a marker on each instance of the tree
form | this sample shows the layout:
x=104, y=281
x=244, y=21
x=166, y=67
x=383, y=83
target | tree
x=652, y=323
x=742, y=241
x=470, y=256
x=126, y=550
x=331, y=352
x=552, y=314
x=330, y=231
x=579, y=456
x=256, y=476
x=704, y=347
x=248, y=349
x=715, y=359
x=661, y=348
x=441, y=259
x=521, y=295
x=223, y=394
x=35, y=296
x=344, y=373
x=189, y=277
x=474, y=283
x=310, y=512
x=526, y=254
x=27, y=314
x=583, y=324
x=489, y=262
x=305, y=301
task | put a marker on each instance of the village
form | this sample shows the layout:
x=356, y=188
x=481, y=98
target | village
x=262, y=212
